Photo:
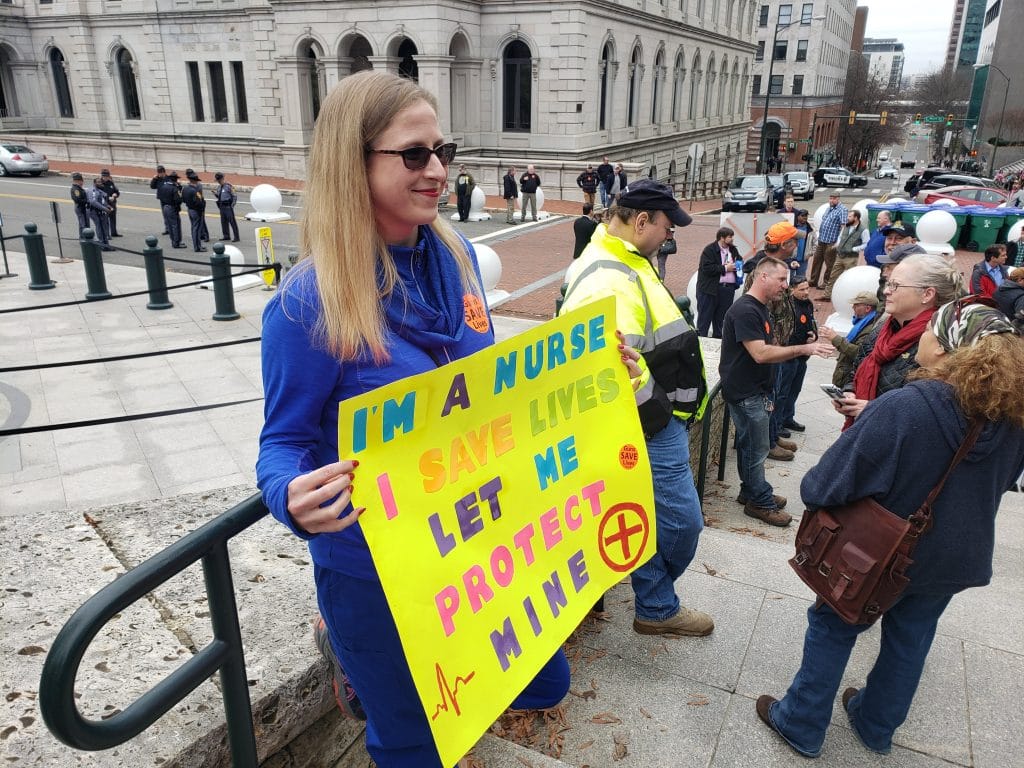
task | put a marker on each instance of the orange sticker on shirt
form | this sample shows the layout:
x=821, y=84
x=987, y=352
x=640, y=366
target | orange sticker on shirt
x=767, y=328
x=476, y=315
x=803, y=319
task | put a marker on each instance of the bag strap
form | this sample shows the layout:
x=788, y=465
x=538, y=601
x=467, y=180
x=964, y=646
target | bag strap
x=921, y=520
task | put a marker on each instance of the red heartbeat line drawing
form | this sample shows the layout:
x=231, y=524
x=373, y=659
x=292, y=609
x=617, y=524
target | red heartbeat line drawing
x=448, y=694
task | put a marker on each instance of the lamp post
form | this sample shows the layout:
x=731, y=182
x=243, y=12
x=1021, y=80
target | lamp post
x=768, y=89
x=999, y=130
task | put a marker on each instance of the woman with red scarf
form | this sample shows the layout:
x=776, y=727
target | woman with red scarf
x=917, y=286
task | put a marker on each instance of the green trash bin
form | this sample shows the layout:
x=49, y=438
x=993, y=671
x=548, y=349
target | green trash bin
x=1010, y=217
x=873, y=211
x=985, y=224
x=961, y=215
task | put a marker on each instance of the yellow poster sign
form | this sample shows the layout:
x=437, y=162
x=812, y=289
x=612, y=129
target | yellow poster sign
x=504, y=493
x=265, y=239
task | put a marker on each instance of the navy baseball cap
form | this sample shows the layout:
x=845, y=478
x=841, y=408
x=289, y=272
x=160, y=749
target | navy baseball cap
x=903, y=230
x=650, y=195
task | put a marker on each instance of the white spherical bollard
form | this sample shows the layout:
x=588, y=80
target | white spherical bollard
x=691, y=293
x=818, y=216
x=862, y=206
x=266, y=202
x=936, y=227
x=490, y=273
x=236, y=257
x=850, y=283
x=1015, y=230
x=476, y=201
x=540, y=205
x=944, y=203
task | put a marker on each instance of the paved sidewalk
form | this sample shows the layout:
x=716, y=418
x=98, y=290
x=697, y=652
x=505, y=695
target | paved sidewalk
x=79, y=506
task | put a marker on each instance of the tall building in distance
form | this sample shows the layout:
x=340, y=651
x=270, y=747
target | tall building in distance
x=965, y=34
x=997, y=98
x=799, y=70
x=240, y=82
x=884, y=59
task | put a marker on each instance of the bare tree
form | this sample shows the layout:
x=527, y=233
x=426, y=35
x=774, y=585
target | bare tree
x=942, y=91
x=865, y=94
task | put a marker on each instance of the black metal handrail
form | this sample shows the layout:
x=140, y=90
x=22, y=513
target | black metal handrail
x=705, y=442
x=224, y=653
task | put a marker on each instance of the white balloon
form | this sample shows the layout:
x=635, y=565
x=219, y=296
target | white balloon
x=818, y=216
x=936, y=227
x=852, y=282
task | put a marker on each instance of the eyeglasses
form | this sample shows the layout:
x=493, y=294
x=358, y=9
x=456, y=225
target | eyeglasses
x=892, y=285
x=416, y=158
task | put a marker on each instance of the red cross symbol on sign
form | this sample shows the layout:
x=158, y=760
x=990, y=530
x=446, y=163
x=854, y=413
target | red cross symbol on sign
x=622, y=536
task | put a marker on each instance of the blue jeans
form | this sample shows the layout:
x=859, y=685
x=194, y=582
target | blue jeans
x=751, y=418
x=789, y=382
x=365, y=640
x=881, y=706
x=604, y=194
x=679, y=522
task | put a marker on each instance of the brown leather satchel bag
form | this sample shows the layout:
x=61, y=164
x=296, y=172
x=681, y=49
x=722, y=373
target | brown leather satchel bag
x=855, y=557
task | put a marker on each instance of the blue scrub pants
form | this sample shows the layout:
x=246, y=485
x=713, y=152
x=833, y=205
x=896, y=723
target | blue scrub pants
x=365, y=640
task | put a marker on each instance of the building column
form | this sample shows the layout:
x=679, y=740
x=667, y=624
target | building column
x=435, y=76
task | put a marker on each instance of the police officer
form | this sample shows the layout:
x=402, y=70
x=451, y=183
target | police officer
x=112, y=194
x=191, y=175
x=169, y=194
x=192, y=196
x=226, y=200
x=154, y=183
x=99, y=209
x=79, y=199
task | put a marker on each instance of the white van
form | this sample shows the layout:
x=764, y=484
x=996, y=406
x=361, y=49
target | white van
x=883, y=156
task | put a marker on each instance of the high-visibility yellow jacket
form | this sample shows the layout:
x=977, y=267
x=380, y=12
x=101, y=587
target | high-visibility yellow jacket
x=673, y=379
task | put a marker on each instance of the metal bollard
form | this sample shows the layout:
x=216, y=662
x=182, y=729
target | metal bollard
x=156, y=278
x=223, y=290
x=35, y=254
x=92, y=257
x=561, y=298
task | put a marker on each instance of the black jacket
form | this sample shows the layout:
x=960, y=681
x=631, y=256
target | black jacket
x=193, y=199
x=111, y=189
x=583, y=228
x=710, y=268
x=510, y=188
x=587, y=181
x=529, y=183
x=78, y=196
x=169, y=193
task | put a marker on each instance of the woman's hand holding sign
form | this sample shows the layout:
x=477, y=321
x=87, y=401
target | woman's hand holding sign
x=306, y=494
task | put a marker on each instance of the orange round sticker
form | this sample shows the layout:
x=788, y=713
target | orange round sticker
x=476, y=315
x=803, y=319
x=767, y=328
x=628, y=456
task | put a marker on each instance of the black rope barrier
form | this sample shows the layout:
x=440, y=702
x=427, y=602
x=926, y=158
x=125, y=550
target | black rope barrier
x=194, y=261
x=135, y=356
x=264, y=268
x=121, y=419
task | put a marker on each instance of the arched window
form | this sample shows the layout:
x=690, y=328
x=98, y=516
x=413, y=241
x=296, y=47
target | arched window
x=709, y=87
x=679, y=72
x=730, y=105
x=517, y=87
x=606, y=62
x=695, y=73
x=656, y=88
x=634, y=87
x=723, y=79
x=313, y=72
x=360, y=53
x=407, y=66
x=672, y=173
x=60, y=84
x=126, y=82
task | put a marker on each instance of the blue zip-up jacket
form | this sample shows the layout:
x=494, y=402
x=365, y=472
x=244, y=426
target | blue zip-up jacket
x=303, y=383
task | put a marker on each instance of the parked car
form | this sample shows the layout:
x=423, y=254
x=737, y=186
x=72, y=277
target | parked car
x=17, y=158
x=887, y=172
x=956, y=179
x=919, y=179
x=748, y=193
x=801, y=183
x=883, y=156
x=838, y=177
x=989, y=197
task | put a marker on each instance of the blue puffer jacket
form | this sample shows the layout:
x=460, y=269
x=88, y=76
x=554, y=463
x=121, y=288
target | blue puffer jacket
x=303, y=383
x=896, y=451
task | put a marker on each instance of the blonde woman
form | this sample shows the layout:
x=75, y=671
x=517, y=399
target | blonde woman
x=385, y=289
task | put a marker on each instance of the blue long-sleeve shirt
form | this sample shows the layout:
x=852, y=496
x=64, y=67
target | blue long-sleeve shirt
x=303, y=383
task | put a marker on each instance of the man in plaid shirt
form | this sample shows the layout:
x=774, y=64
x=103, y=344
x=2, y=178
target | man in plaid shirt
x=828, y=234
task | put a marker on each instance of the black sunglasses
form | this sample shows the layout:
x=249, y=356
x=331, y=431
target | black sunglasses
x=416, y=158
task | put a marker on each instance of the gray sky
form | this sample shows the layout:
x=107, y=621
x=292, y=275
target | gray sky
x=921, y=25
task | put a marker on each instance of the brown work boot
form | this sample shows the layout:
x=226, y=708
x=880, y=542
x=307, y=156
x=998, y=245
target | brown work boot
x=780, y=454
x=789, y=445
x=780, y=501
x=770, y=515
x=686, y=623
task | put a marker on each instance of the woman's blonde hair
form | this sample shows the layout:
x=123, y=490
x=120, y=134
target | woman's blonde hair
x=338, y=231
x=935, y=272
x=987, y=377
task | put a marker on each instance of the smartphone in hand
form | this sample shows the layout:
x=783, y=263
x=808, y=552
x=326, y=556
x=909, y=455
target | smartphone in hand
x=833, y=391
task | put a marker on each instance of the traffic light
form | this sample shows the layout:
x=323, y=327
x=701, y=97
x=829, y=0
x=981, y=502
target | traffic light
x=883, y=118
x=949, y=120
x=917, y=119
x=853, y=116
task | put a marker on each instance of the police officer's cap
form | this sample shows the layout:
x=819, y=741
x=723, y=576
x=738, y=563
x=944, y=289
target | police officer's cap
x=172, y=175
x=218, y=176
x=76, y=176
x=160, y=169
x=105, y=172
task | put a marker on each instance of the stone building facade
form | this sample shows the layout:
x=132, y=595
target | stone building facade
x=238, y=83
